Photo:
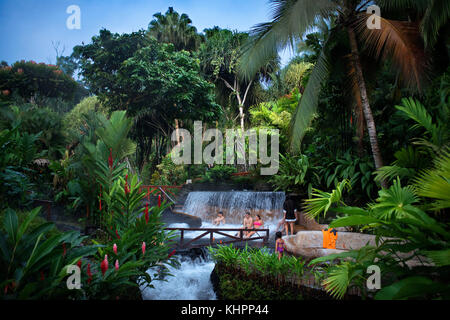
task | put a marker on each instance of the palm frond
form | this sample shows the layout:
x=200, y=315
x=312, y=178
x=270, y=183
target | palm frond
x=321, y=201
x=395, y=202
x=339, y=279
x=307, y=108
x=435, y=183
x=400, y=42
x=435, y=17
x=439, y=257
x=437, y=133
x=290, y=20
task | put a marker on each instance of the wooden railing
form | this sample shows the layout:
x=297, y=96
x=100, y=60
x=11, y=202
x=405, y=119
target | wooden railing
x=209, y=232
x=164, y=191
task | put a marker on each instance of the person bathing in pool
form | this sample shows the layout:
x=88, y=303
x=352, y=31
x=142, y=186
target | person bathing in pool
x=257, y=224
x=220, y=219
x=246, y=224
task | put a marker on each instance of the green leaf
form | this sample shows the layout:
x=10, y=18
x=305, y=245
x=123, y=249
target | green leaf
x=354, y=220
x=29, y=218
x=412, y=287
x=10, y=223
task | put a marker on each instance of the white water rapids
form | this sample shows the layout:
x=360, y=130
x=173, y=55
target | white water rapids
x=189, y=282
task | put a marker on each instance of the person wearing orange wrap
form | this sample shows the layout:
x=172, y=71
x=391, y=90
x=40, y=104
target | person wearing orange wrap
x=329, y=238
x=326, y=238
x=333, y=235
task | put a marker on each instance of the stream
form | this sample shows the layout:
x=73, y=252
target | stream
x=191, y=281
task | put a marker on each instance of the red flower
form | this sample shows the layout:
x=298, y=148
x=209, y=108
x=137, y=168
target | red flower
x=116, y=265
x=127, y=190
x=110, y=158
x=146, y=213
x=79, y=263
x=159, y=201
x=104, y=265
x=143, y=248
x=172, y=253
x=115, y=248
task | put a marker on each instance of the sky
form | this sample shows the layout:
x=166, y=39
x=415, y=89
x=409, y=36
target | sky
x=31, y=28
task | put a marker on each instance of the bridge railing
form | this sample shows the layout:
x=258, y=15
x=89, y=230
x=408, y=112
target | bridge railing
x=184, y=243
x=166, y=192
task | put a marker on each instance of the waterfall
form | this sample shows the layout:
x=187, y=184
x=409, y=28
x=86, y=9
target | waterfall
x=234, y=204
x=191, y=281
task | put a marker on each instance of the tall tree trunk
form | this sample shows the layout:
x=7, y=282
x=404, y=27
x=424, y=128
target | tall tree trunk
x=177, y=132
x=242, y=116
x=371, y=129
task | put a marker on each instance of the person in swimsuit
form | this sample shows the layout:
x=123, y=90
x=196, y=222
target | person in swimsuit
x=220, y=219
x=247, y=224
x=290, y=214
x=279, y=244
x=257, y=224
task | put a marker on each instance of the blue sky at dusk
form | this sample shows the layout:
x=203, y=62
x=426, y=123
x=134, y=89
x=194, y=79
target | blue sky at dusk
x=28, y=27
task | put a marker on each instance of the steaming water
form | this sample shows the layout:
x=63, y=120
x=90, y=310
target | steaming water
x=191, y=281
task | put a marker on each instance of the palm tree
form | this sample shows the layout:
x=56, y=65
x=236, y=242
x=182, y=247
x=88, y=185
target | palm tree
x=433, y=15
x=398, y=41
x=175, y=29
x=220, y=61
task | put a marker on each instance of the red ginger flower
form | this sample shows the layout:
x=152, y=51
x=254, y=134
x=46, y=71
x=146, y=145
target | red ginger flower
x=146, y=213
x=116, y=265
x=172, y=253
x=110, y=158
x=143, y=248
x=79, y=263
x=115, y=248
x=127, y=190
x=104, y=265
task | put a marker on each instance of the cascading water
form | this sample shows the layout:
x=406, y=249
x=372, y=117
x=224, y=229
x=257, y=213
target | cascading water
x=191, y=281
x=234, y=204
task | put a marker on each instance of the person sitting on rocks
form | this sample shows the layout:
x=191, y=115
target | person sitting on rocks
x=247, y=224
x=220, y=219
x=257, y=224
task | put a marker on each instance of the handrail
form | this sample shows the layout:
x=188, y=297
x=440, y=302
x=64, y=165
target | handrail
x=162, y=190
x=220, y=231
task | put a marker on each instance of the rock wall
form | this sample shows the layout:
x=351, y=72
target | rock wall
x=310, y=243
